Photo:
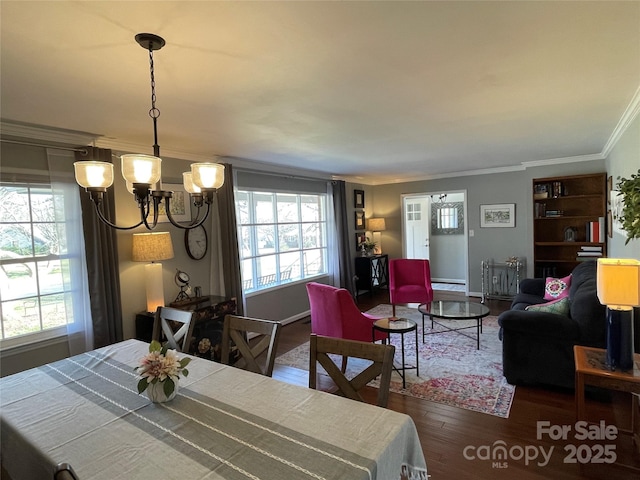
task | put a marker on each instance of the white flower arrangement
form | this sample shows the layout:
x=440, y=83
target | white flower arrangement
x=161, y=365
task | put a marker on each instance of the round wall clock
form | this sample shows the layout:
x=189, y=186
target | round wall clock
x=195, y=241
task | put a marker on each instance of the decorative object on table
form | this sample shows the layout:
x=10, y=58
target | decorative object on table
x=160, y=370
x=618, y=282
x=375, y=226
x=452, y=371
x=358, y=198
x=143, y=172
x=367, y=247
x=182, y=280
x=195, y=241
x=512, y=262
x=498, y=215
x=151, y=247
x=629, y=213
x=359, y=220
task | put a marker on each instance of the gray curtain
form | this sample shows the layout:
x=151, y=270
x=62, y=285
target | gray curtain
x=229, y=239
x=102, y=261
x=342, y=234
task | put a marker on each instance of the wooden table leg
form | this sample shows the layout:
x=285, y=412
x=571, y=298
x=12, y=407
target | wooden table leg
x=580, y=413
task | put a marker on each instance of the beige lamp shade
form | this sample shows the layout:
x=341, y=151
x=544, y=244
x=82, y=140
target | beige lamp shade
x=618, y=281
x=376, y=224
x=152, y=247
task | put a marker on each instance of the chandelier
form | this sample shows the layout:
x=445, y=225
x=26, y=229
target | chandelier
x=142, y=172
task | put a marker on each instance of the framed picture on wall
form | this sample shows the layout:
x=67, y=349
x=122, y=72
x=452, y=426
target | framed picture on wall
x=180, y=206
x=359, y=220
x=501, y=215
x=360, y=237
x=358, y=198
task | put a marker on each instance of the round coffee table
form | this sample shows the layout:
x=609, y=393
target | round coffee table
x=401, y=326
x=454, y=310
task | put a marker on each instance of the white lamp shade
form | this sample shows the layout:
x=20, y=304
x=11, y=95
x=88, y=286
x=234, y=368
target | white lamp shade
x=208, y=175
x=189, y=186
x=618, y=281
x=91, y=174
x=376, y=224
x=152, y=247
x=141, y=168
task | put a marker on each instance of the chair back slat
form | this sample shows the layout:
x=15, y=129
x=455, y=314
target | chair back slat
x=176, y=326
x=256, y=354
x=381, y=356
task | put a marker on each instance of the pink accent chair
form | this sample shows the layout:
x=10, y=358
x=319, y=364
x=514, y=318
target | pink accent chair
x=335, y=314
x=409, y=281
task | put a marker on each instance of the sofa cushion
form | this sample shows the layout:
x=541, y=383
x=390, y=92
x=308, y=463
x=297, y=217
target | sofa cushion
x=557, y=288
x=559, y=307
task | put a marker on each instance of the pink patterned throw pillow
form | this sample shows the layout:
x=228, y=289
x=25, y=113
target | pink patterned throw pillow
x=557, y=288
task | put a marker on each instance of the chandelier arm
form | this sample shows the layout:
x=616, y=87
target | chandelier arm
x=194, y=224
x=112, y=225
x=145, y=214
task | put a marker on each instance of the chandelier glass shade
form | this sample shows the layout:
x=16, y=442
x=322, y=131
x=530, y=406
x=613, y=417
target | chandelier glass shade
x=142, y=173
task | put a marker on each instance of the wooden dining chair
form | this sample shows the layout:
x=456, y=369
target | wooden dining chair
x=176, y=326
x=380, y=354
x=250, y=348
x=64, y=471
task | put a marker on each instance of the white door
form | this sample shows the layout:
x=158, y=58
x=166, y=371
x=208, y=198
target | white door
x=416, y=226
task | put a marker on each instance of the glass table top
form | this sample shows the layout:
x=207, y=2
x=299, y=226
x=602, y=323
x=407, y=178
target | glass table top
x=454, y=310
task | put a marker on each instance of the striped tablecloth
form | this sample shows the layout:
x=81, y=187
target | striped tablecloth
x=225, y=423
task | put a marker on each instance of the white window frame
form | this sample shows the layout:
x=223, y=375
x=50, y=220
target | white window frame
x=254, y=284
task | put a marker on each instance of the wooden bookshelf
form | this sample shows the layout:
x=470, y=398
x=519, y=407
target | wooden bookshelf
x=563, y=207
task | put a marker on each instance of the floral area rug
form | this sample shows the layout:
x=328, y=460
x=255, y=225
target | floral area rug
x=452, y=371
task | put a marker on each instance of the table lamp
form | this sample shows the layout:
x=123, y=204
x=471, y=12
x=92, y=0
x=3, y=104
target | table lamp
x=377, y=225
x=151, y=247
x=618, y=283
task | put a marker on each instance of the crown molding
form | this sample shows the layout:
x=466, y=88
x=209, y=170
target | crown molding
x=47, y=134
x=560, y=160
x=628, y=116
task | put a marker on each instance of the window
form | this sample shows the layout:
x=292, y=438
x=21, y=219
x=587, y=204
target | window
x=33, y=264
x=282, y=237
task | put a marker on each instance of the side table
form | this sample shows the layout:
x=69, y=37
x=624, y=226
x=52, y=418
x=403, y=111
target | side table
x=591, y=369
x=372, y=272
x=401, y=326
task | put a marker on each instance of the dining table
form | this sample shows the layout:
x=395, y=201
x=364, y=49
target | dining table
x=224, y=423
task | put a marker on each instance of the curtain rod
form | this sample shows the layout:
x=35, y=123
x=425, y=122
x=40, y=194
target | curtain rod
x=84, y=151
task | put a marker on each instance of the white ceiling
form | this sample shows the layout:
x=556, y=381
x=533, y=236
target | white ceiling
x=368, y=91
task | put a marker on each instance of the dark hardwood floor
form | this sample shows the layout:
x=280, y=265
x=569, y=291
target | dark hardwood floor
x=446, y=433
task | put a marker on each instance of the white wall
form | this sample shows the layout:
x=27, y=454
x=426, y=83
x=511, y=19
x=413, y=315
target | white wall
x=623, y=160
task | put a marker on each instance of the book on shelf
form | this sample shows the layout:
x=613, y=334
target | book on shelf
x=591, y=248
x=554, y=213
x=589, y=254
x=595, y=231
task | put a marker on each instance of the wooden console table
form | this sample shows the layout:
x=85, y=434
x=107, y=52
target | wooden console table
x=371, y=272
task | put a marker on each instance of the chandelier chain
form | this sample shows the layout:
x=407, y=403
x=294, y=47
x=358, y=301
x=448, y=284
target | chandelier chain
x=154, y=112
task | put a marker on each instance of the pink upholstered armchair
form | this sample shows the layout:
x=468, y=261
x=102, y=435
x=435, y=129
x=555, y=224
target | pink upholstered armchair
x=335, y=314
x=409, y=281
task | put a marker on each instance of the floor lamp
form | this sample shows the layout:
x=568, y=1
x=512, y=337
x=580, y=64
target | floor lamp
x=151, y=247
x=618, y=283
